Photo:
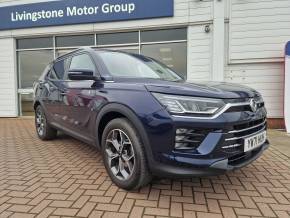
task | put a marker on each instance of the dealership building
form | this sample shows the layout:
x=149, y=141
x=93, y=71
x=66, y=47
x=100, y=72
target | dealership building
x=237, y=41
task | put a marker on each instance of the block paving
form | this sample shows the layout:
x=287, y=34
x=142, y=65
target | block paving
x=66, y=178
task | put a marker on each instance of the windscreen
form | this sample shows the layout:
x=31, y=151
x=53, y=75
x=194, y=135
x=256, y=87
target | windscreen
x=136, y=66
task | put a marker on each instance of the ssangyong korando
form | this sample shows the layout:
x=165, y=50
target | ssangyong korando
x=145, y=119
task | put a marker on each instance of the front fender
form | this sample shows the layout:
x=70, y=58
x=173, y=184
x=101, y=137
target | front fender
x=131, y=116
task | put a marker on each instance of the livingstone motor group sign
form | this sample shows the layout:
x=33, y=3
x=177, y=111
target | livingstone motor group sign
x=81, y=11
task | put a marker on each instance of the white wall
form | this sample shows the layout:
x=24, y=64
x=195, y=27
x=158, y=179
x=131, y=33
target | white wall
x=199, y=64
x=259, y=29
x=257, y=33
x=8, y=106
x=267, y=78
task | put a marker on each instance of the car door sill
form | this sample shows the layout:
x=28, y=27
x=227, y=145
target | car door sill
x=72, y=133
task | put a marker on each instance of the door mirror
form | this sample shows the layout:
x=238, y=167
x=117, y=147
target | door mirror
x=82, y=74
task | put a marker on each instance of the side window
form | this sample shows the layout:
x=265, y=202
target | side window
x=82, y=61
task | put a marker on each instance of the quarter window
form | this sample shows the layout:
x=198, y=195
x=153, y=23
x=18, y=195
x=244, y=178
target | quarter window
x=59, y=69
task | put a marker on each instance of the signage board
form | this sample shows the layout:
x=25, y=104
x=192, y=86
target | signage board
x=66, y=12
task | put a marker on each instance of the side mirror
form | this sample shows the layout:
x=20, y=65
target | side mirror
x=82, y=74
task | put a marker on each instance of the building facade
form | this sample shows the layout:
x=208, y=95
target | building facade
x=237, y=41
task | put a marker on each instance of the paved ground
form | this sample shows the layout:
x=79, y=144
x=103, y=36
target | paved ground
x=65, y=177
x=280, y=140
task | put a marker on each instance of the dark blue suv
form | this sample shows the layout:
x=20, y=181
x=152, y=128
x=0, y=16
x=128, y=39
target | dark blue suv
x=147, y=120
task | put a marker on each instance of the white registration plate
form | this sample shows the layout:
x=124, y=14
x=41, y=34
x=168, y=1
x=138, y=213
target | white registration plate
x=255, y=141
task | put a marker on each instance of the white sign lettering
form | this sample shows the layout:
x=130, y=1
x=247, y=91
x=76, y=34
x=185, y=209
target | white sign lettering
x=106, y=8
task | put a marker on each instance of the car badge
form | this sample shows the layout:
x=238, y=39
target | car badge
x=253, y=105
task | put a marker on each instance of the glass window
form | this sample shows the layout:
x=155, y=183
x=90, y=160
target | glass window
x=82, y=61
x=174, y=55
x=63, y=52
x=136, y=66
x=163, y=35
x=44, y=42
x=75, y=41
x=117, y=38
x=26, y=101
x=31, y=65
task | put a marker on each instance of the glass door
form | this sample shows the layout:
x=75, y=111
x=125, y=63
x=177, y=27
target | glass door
x=26, y=102
x=31, y=65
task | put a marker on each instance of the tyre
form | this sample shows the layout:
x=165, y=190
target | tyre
x=124, y=155
x=43, y=129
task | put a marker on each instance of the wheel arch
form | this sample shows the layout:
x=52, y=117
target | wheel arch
x=36, y=104
x=113, y=111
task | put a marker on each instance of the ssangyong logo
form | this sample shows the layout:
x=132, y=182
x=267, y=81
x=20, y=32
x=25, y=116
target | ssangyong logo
x=254, y=105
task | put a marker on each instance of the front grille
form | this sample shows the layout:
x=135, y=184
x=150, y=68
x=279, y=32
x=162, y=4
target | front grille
x=234, y=138
x=241, y=108
x=243, y=130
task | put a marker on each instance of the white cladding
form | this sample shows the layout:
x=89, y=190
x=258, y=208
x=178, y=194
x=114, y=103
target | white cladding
x=258, y=32
x=255, y=34
x=259, y=29
x=8, y=97
x=199, y=53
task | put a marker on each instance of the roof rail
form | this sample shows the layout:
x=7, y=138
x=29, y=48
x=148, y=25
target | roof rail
x=71, y=52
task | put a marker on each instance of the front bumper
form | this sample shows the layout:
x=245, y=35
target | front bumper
x=221, y=150
x=177, y=169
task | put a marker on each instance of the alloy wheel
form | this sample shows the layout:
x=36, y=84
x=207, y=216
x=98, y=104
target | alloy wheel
x=120, y=154
x=40, y=122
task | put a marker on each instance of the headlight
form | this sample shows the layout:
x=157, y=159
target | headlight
x=176, y=104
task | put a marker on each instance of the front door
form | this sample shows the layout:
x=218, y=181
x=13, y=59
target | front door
x=77, y=97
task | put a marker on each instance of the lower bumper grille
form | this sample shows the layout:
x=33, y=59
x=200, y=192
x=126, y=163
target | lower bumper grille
x=242, y=157
x=234, y=139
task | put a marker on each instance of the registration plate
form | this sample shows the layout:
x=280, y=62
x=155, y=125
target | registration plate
x=255, y=141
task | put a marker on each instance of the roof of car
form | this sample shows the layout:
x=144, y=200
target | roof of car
x=88, y=49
